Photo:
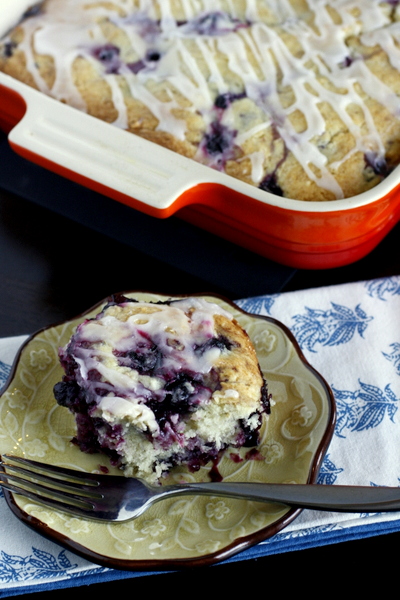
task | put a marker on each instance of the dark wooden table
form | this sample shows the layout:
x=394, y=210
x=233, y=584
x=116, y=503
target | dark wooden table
x=57, y=260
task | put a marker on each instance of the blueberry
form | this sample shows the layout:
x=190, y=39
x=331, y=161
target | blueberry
x=32, y=11
x=216, y=144
x=376, y=163
x=94, y=375
x=224, y=100
x=269, y=184
x=86, y=436
x=68, y=363
x=108, y=55
x=218, y=140
x=66, y=392
x=9, y=49
x=251, y=436
x=199, y=458
x=177, y=399
x=145, y=360
x=153, y=55
x=179, y=391
x=346, y=62
x=221, y=342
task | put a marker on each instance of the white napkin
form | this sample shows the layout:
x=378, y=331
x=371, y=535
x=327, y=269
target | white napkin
x=351, y=335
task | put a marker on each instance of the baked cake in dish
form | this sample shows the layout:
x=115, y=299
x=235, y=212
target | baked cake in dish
x=296, y=97
x=159, y=384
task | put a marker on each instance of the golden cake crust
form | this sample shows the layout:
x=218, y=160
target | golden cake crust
x=240, y=370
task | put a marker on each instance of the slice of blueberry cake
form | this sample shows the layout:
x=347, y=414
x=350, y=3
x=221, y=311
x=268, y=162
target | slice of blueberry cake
x=154, y=385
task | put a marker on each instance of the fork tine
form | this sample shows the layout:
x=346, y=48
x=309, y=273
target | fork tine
x=72, y=484
x=19, y=475
x=66, y=491
x=84, y=511
x=21, y=485
x=61, y=473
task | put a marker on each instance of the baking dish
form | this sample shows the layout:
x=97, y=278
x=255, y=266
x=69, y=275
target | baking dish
x=161, y=183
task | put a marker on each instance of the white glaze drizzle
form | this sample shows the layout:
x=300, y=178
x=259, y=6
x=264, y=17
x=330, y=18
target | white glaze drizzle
x=177, y=329
x=321, y=38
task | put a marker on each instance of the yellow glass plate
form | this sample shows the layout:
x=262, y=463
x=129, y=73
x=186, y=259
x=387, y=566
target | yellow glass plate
x=175, y=532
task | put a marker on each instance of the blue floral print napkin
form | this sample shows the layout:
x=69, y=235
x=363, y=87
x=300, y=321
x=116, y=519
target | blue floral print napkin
x=351, y=335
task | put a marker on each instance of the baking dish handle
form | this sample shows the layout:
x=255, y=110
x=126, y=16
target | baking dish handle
x=80, y=147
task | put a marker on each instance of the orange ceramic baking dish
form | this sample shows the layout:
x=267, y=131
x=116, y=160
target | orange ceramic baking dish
x=159, y=182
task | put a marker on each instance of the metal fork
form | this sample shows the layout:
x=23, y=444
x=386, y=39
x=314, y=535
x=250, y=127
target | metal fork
x=118, y=498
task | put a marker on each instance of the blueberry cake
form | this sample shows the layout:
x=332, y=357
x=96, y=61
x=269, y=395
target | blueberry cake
x=159, y=384
x=298, y=98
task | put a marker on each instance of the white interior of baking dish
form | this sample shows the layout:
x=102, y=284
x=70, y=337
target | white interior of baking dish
x=125, y=162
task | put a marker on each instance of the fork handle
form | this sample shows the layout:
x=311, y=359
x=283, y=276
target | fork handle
x=336, y=498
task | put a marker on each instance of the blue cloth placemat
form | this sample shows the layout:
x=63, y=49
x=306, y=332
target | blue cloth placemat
x=351, y=335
